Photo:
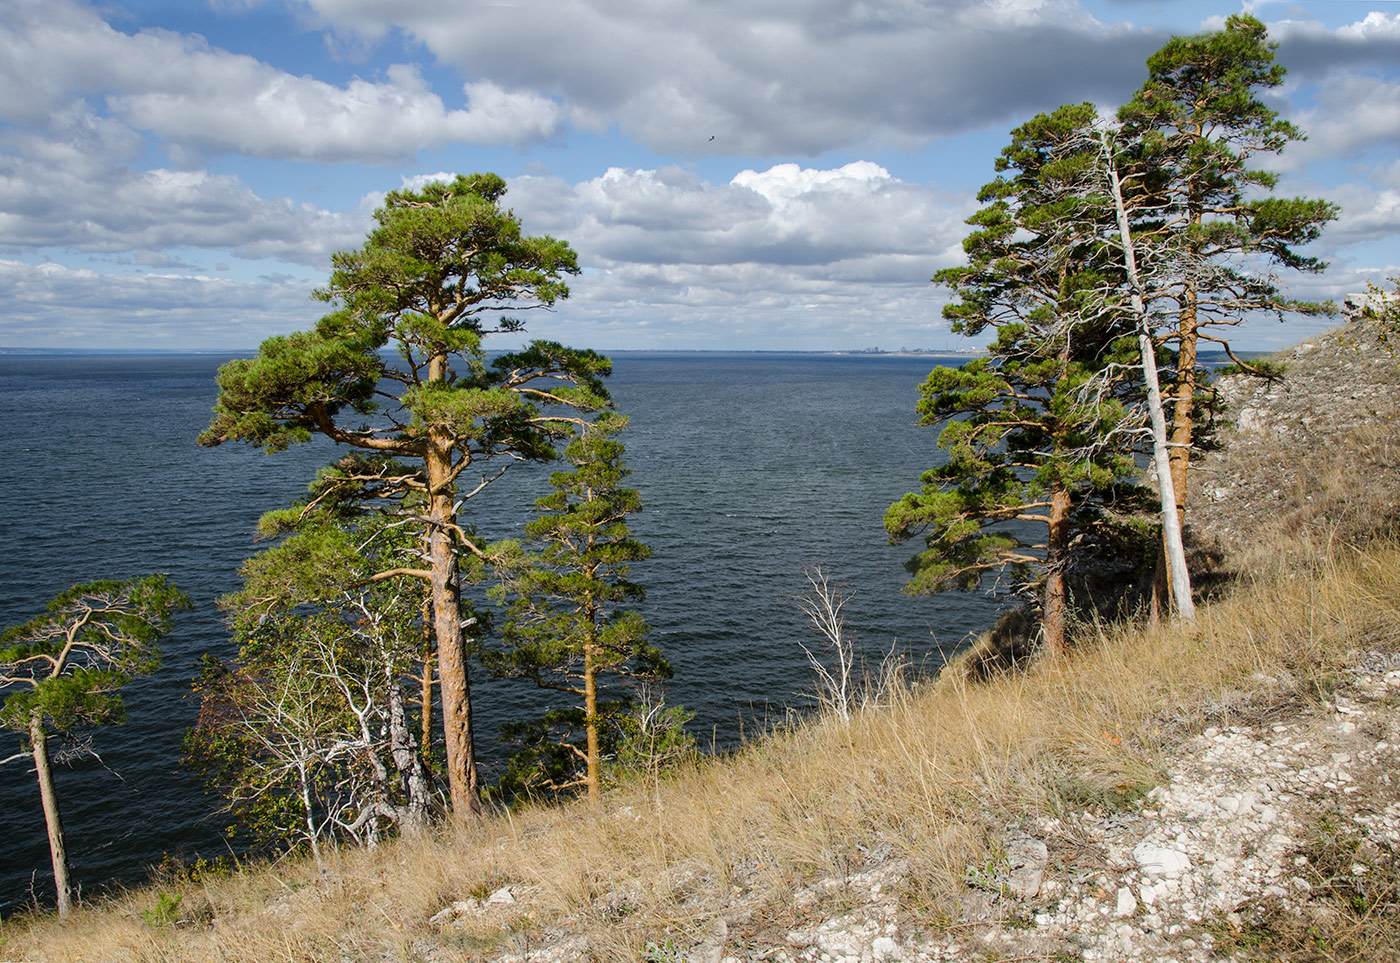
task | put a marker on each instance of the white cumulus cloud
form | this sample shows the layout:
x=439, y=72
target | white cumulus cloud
x=1309, y=49
x=1353, y=111
x=783, y=215
x=787, y=255
x=75, y=188
x=204, y=99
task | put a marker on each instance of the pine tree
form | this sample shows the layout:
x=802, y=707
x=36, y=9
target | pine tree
x=61, y=672
x=568, y=627
x=1198, y=129
x=435, y=411
x=1031, y=464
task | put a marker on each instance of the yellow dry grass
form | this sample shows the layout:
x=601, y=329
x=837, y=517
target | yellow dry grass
x=933, y=773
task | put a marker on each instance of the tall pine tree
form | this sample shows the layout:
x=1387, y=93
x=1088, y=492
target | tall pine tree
x=399, y=372
x=1198, y=130
x=1030, y=465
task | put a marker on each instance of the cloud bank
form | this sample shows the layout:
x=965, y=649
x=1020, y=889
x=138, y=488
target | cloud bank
x=763, y=81
x=202, y=99
x=138, y=146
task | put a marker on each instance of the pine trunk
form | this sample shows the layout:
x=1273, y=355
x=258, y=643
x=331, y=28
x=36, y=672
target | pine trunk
x=1184, y=409
x=1179, y=448
x=1179, y=578
x=1055, y=607
x=1183, y=414
x=590, y=716
x=454, y=680
x=1055, y=604
x=454, y=684
x=39, y=744
x=425, y=700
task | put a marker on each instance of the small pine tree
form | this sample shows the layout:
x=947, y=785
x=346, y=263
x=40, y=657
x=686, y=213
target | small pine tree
x=566, y=624
x=60, y=672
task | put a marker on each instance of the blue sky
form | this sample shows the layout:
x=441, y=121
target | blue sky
x=739, y=174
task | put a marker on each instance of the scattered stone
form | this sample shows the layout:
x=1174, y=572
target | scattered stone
x=884, y=948
x=1159, y=860
x=1027, y=858
x=455, y=911
x=1225, y=829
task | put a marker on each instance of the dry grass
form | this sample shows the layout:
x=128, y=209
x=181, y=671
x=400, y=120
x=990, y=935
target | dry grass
x=932, y=774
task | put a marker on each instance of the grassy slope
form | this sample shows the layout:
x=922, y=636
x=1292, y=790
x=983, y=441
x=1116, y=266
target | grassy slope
x=933, y=774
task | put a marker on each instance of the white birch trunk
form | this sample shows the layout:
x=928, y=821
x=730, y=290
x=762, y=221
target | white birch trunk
x=1179, y=578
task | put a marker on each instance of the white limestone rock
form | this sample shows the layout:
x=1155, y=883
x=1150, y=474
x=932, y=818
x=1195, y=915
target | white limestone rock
x=1156, y=860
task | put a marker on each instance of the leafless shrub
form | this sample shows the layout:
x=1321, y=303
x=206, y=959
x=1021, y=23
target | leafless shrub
x=824, y=605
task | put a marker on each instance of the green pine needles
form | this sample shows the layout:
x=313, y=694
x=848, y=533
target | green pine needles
x=568, y=626
x=1103, y=253
x=60, y=673
x=1033, y=466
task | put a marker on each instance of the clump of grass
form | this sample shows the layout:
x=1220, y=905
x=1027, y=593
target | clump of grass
x=1352, y=872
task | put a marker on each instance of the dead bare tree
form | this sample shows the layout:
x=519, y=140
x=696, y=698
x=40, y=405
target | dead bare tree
x=308, y=733
x=824, y=605
x=1180, y=577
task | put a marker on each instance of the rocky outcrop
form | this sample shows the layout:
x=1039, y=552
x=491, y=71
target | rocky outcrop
x=1314, y=449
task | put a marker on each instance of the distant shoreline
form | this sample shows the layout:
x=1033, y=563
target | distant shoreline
x=1210, y=358
x=250, y=352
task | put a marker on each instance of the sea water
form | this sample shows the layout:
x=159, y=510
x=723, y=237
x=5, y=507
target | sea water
x=753, y=467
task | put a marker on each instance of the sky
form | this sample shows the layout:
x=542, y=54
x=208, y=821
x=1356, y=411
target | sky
x=734, y=174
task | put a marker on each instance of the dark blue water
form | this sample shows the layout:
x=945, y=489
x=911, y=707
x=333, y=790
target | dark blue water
x=751, y=466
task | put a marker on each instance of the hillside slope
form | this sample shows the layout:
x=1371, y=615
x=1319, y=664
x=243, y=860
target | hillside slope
x=1226, y=793
x=1315, y=453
